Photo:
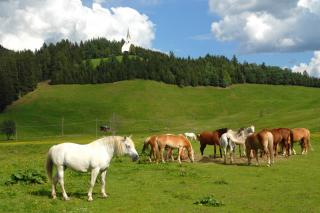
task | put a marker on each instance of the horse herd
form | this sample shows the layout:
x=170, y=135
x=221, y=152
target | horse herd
x=96, y=156
x=249, y=141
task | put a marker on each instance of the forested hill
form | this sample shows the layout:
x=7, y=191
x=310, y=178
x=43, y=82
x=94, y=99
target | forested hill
x=68, y=63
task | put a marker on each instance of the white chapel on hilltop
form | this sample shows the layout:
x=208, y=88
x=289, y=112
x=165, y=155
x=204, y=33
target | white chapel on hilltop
x=127, y=44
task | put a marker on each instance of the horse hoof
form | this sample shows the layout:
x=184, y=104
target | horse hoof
x=66, y=198
x=104, y=195
x=90, y=199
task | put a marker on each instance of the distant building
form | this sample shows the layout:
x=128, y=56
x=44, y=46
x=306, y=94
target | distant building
x=127, y=44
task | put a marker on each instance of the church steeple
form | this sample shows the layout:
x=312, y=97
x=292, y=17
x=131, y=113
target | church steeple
x=128, y=35
x=127, y=44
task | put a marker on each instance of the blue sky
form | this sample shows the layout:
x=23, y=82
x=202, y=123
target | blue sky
x=282, y=33
x=184, y=27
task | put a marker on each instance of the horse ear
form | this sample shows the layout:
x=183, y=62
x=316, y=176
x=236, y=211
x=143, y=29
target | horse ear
x=124, y=138
x=130, y=136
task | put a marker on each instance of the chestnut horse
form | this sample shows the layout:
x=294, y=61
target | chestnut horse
x=175, y=142
x=281, y=136
x=153, y=147
x=211, y=138
x=303, y=136
x=262, y=140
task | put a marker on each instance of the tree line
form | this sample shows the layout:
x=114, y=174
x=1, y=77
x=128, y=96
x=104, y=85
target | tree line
x=71, y=63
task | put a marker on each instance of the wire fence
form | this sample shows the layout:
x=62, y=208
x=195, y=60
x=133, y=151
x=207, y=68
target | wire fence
x=94, y=128
x=116, y=124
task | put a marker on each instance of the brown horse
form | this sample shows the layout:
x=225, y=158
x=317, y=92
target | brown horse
x=175, y=142
x=211, y=138
x=151, y=141
x=303, y=136
x=282, y=137
x=262, y=140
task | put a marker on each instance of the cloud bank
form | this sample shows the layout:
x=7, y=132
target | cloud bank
x=268, y=25
x=313, y=68
x=27, y=24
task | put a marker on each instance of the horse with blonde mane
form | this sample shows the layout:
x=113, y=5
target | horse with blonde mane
x=232, y=138
x=262, y=140
x=94, y=157
x=151, y=141
x=175, y=142
x=303, y=136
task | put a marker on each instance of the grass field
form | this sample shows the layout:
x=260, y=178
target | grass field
x=143, y=108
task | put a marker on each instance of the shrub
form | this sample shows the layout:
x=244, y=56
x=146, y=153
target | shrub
x=209, y=201
x=8, y=127
x=27, y=177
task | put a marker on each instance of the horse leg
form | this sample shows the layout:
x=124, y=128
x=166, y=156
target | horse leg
x=103, y=184
x=60, y=174
x=161, y=153
x=214, y=151
x=275, y=150
x=232, y=150
x=202, y=147
x=220, y=151
x=268, y=153
x=249, y=156
x=287, y=147
x=54, y=185
x=225, y=154
x=151, y=154
x=94, y=174
x=244, y=149
x=180, y=150
x=171, y=154
x=256, y=155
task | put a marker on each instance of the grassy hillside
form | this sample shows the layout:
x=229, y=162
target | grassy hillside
x=146, y=107
x=143, y=107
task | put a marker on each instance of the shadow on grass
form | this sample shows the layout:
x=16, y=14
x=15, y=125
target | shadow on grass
x=79, y=195
x=47, y=193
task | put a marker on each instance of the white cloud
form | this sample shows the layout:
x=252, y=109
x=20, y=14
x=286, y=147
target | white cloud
x=268, y=25
x=313, y=68
x=27, y=24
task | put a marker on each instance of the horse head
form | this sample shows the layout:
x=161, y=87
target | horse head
x=129, y=148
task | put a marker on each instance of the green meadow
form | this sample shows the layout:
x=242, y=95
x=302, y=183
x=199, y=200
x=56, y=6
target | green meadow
x=143, y=108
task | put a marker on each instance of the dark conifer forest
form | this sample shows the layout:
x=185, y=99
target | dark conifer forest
x=71, y=63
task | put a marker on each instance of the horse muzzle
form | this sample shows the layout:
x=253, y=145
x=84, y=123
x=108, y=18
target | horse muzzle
x=135, y=157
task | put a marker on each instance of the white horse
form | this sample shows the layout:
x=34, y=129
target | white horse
x=231, y=138
x=190, y=136
x=94, y=157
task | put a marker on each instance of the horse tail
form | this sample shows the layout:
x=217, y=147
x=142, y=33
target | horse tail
x=49, y=165
x=291, y=139
x=309, y=142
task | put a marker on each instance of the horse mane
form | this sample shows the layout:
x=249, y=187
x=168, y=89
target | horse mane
x=241, y=129
x=146, y=143
x=115, y=142
x=221, y=131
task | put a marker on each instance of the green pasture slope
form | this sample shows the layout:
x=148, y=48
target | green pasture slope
x=143, y=108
